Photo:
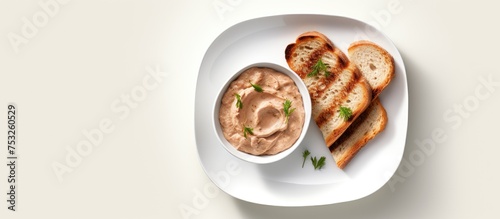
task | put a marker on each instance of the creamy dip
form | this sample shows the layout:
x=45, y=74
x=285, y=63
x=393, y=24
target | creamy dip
x=255, y=122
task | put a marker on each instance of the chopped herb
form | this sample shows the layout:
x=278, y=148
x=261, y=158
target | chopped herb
x=345, y=113
x=286, y=107
x=319, y=67
x=256, y=87
x=318, y=164
x=304, y=155
x=239, y=104
x=327, y=73
x=247, y=130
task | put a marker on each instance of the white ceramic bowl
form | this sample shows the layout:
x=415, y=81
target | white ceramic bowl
x=263, y=159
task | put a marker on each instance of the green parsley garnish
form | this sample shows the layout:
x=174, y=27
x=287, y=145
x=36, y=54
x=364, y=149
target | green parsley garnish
x=304, y=155
x=345, y=113
x=319, y=67
x=327, y=73
x=286, y=107
x=247, y=130
x=239, y=104
x=256, y=87
x=318, y=164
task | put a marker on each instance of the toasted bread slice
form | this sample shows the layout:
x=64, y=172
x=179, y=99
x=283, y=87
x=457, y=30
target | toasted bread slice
x=339, y=84
x=374, y=62
x=377, y=66
x=363, y=129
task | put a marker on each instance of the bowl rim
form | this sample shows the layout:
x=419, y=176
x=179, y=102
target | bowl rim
x=262, y=159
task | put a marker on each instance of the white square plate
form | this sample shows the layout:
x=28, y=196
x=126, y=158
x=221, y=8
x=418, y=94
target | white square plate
x=286, y=183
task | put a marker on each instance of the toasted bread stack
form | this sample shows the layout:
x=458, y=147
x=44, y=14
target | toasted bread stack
x=337, y=84
x=353, y=82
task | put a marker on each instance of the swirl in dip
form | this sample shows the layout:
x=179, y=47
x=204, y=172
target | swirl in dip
x=262, y=114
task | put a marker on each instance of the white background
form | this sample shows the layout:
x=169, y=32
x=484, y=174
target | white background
x=66, y=76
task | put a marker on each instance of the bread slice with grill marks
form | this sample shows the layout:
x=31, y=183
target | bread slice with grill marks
x=368, y=125
x=340, y=84
x=377, y=66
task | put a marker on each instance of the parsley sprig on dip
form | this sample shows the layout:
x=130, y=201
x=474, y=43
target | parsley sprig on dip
x=286, y=107
x=246, y=131
x=239, y=104
x=256, y=87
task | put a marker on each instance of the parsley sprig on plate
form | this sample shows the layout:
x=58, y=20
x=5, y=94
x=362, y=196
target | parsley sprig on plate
x=318, y=164
x=304, y=155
